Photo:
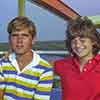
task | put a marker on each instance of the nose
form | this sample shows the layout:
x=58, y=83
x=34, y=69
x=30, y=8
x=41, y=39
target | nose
x=78, y=43
x=19, y=39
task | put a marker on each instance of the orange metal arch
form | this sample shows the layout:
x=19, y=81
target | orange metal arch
x=58, y=7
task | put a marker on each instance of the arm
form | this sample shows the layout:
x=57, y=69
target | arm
x=1, y=83
x=1, y=86
x=1, y=94
x=44, y=87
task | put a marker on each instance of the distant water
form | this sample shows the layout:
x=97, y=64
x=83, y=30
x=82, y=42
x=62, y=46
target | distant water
x=50, y=57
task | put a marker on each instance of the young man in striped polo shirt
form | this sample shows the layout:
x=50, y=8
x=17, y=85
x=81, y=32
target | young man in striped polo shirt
x=26, y=75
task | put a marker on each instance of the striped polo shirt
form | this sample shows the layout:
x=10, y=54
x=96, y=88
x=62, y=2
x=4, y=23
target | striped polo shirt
x=34, y=82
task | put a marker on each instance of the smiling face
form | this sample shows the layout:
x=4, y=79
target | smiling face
x=21, y=41
x=82, y=47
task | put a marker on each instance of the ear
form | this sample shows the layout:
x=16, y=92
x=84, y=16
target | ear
x=9, y=37
x=34, y=40
x=94, y=43
x=9, y=40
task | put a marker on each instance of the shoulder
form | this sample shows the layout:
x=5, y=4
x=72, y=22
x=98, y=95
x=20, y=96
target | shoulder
x=40, y=61
x=67, y=60
x=2, y=60
x=44, y=63
x=62, y=65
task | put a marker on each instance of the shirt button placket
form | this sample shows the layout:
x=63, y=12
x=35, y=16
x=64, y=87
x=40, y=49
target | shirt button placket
x=84, y=69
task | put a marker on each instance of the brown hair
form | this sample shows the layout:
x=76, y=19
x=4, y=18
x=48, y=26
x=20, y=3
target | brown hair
x=82, y=27
x=20, y=23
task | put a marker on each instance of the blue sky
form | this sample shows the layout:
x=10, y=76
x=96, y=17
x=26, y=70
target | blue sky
x=49, y=26
x=85, y=7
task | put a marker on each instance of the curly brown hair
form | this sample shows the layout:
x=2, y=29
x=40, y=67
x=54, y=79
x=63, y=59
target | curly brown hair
x=82, y=27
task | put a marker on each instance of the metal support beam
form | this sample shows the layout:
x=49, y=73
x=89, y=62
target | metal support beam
x=57, y=7
x=21, y=7
x=95, y=20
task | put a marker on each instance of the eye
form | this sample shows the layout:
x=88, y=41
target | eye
x=82, y=40
x=14, y=35
x=25, y=35
x=73, y=41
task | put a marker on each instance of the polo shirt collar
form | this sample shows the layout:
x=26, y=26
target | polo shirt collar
x=91, y=63
x=34, y=62
x=97, y=57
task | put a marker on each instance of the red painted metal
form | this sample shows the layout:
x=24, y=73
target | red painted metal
x=58, y=7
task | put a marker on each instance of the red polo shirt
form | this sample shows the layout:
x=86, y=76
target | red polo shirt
x=78, y=85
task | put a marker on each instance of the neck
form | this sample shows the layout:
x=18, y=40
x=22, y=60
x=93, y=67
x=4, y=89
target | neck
x=24, y=59
x=84, y=60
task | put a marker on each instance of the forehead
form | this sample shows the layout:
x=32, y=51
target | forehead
x=25, y=31
x=81, y=38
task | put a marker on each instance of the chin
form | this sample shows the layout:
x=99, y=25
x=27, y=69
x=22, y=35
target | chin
x=19, y=52
x=80, y=55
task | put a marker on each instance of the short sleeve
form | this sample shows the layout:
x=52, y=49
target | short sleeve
x=2, y=79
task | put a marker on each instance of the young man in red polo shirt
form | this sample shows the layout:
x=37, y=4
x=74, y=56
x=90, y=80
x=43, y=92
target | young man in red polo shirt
x=80, y=73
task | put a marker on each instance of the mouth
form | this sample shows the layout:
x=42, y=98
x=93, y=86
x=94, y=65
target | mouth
x=19, y=46
x=79, y=50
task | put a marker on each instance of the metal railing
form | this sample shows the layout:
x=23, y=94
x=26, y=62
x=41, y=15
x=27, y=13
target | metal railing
x=60, y=52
